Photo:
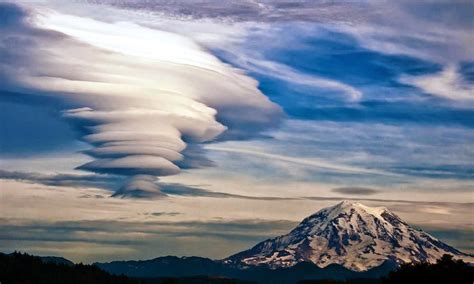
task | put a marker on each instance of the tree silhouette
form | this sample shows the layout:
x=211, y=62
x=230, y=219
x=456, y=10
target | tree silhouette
x=26, y=269
x=445, y=270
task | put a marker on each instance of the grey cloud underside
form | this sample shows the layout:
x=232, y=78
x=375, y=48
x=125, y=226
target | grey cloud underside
x=271, y=10
x=18, y=231
x=453, y=15
x=183, y=190
x=144, y=117
x=71, y=180
x=164, y=214
x=158, y=189
x=355, y=190
x=50, y=230
x=114, y=234
x=135, y=187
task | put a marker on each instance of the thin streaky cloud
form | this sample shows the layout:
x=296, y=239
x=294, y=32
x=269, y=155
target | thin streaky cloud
x=321, y=164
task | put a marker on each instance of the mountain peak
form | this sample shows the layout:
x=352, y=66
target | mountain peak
x=346, y=209
x=351, y=234
x=348, y=205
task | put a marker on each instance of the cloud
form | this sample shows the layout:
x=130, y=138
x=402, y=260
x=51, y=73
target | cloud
x=410, y=27
x=72, y=180
x=138, y=186
x=124, y=239
x=458, y=238
x=141, y=240
x=355, y=190
x=144, y=107
x=447, y=84
x=286, y=73
x=268, y=11
x=150, y=187
x=158, y=214
x=142, y=186
x=58, y=220
x=185, y=190
x=316, y=163
x=406, y=151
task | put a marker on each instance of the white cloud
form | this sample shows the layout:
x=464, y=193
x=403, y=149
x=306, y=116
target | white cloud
x=142, y=186
x=124, y=85
x=446, y=84
x=217, y=33
x=309, y=162
x=288, y=74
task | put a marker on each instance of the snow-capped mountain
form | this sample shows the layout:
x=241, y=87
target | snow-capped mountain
x=350, y=234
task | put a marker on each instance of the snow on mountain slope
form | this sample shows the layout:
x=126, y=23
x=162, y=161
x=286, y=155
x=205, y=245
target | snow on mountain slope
x=350, y=234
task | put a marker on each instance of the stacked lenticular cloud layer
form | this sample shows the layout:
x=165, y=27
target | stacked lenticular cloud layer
x=143, y=98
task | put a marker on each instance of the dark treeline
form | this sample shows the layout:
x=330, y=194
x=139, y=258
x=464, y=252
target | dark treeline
x=18, y=268
x=21, y=268
x=445, y=270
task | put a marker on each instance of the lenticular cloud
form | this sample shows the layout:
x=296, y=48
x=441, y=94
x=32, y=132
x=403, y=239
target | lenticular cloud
x=143, y=99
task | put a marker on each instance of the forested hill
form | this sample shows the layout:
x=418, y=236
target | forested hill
x=24, y=268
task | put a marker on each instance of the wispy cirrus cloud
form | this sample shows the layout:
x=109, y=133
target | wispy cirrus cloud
x=285, y=73
x=301, y=161
x=447, y=84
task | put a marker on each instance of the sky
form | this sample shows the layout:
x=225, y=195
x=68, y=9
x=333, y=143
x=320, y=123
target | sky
x=136, y=129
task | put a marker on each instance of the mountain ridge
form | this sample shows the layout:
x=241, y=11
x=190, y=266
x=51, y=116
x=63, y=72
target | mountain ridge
x=172, y=266
x=351, y=234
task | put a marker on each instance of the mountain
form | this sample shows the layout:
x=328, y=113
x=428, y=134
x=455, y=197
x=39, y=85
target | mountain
x=346, y=241
x=166, y=266
x=353, y=235
x=172, y=266
x=56, y=260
